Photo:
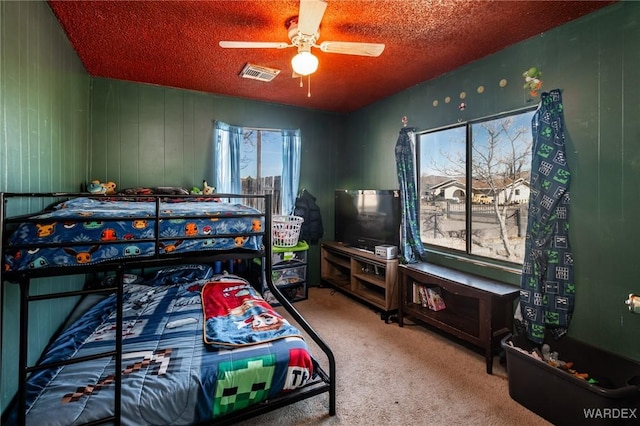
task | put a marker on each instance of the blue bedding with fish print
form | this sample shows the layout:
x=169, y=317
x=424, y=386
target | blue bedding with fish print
x=85, y=231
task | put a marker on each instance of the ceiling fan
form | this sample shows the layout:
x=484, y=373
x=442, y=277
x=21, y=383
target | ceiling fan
x=303, y=34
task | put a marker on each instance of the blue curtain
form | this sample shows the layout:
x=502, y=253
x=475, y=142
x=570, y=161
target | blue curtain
x=226, y=142
x=547, y=288
x=290, y=169
x=411, y=247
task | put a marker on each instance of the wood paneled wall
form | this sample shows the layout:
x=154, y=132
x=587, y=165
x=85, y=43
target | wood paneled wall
x=143, y=135
x=148, y=135
x=44, y=111
x=594, y=61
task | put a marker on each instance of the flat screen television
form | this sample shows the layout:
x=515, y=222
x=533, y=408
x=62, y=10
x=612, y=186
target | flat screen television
x=365, y=218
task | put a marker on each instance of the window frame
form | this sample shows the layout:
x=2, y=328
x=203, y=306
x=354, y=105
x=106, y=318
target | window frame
x=458, y=254
x=276, y=194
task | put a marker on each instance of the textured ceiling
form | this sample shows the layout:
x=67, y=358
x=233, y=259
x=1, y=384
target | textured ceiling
x=175, y=43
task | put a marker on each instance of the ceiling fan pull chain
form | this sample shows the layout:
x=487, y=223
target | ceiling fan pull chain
x=309, y=86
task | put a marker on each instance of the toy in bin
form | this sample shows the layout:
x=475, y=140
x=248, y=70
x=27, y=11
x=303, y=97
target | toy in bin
x=286, y=230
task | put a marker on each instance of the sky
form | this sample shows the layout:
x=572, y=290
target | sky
x=445, y=149
x=271, y=155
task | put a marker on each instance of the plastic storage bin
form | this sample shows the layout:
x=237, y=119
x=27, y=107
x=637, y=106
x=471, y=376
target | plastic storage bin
x=289, y=272
x=289, y=276
x=291, y=255
x=295, y=293
x=563, y=399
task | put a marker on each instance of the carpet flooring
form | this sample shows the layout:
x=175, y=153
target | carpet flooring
x=388, y=375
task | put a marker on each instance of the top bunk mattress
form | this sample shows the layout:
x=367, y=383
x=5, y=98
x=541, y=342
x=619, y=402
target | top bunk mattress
x=85, y=231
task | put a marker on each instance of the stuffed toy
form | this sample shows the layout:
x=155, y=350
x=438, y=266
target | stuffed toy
x=532, y=81
x=206, y=189
x=110, y=187
x=96, y=187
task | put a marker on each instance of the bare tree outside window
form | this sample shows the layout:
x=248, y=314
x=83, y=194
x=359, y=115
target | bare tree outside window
x=261, y=165
x=500, y=169
x=474, y=186
x=443, y=188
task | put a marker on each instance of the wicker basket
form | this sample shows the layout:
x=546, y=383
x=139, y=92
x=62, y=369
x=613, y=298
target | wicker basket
x=286, y=230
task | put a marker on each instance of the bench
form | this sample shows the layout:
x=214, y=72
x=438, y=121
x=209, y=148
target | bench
x=478, y=310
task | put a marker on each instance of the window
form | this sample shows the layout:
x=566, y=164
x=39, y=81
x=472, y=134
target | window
x=258, y=161
x=474, y=186
x=261, y=164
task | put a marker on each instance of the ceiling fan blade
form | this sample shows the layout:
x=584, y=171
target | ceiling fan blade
x=310, y=15
x=352, y=48
x=253, y=45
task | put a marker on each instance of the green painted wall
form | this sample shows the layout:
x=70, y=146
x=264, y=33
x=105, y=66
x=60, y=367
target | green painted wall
x=595, y=62
x=147, y=135
x=44, y=108
x=143, y=135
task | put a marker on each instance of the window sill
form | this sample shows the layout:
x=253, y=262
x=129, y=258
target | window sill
x=483, y=268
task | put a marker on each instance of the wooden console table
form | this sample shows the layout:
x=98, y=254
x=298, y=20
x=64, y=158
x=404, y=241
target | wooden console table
x=361, y=274
x=478, y=310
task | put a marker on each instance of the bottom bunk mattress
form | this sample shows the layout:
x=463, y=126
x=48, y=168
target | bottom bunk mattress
x=174, y=369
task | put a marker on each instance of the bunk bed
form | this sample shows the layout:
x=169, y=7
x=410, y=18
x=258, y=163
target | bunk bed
x=176, y=345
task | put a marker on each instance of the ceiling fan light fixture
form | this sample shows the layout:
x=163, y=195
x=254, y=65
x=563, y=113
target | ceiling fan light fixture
x=304, y=63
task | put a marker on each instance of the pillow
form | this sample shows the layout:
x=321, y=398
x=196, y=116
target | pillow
x=160, y=190
x=137, y=191
x=181, y=274
x=171, y=190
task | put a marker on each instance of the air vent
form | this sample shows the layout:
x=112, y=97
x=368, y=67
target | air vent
x=256, y=72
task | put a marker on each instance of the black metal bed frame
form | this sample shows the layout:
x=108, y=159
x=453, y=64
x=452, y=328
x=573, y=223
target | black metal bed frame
x=323, y=382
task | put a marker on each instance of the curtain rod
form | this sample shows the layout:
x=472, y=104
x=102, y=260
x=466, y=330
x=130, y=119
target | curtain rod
x=264, y=129
x=255, y=128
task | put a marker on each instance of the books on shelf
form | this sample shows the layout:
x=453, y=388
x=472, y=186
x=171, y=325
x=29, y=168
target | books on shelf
x=417, y=296
x=434, y=299
x=428, y=297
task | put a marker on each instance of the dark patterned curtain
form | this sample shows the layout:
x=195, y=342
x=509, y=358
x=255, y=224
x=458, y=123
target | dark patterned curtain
x=547, y=289
x=411, y=247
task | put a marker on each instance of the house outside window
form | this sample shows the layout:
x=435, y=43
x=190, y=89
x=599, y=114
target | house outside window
x=474, y=186
x=261, y=165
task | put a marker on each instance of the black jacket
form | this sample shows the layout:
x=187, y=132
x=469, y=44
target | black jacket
x=306, y=207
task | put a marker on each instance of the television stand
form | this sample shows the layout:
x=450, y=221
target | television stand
x=360, y=274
